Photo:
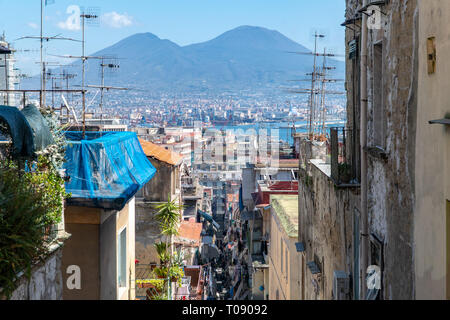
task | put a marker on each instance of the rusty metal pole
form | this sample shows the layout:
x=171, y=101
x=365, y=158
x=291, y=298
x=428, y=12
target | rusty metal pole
x=363, y=142
x=83, y=74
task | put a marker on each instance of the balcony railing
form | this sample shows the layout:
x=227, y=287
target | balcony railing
x=342, y=151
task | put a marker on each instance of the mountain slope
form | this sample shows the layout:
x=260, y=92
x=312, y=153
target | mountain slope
x=245, y=58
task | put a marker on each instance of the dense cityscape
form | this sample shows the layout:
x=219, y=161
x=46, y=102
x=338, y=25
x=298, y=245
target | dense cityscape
x=246, y=167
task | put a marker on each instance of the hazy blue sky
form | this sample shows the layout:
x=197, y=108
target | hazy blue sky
x=182, y=21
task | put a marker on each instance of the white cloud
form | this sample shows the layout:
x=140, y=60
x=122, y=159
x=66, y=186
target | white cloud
x=33, y=25
x=69, y=25
x=116, y=20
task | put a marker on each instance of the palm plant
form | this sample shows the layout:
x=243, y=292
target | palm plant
x=162, y=250
x=169, y=216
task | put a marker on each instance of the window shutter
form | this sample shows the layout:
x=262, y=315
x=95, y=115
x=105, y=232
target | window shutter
x=353, y=49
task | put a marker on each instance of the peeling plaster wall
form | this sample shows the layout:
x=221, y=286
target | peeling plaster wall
x=391, y=181
x=147, y=232
x=326, y=229
x=45, y=282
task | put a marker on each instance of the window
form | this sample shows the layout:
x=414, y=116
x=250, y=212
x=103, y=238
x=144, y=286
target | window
x=173, y=178
x=287, y=265
x=122, y=258
x=281, y=254
x=378, y=97
x=431, y=55
x=177, y=178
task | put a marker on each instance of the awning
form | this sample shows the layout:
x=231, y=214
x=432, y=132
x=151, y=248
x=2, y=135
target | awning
x=241, y=201
x=209, y=219
x=373, y=3
x=440, y=121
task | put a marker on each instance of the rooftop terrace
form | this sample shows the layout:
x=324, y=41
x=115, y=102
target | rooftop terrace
x=285, y=207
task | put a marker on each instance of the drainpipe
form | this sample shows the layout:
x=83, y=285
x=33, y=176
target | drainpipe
x=363, y=142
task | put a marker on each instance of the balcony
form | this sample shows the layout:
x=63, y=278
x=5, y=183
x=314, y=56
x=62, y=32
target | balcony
x=342, y=153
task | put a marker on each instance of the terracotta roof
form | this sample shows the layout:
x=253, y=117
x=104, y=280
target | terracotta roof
x=160, y=153
x=190, y=230
x=282, y=163
x=284, y=185
x=262, y=197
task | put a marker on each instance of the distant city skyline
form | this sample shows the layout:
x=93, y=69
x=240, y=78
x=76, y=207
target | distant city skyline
x=183, y=22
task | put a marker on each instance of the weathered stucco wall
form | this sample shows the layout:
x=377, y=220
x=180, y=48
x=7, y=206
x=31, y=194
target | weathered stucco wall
x=162, y=183
x=391, y=181
x=45, y=282
x=326, y=229
x=147, y=232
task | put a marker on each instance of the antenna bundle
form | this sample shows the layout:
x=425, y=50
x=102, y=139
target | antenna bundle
x=317, y=92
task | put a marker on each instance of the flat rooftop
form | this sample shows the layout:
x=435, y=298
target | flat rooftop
x=285, y=207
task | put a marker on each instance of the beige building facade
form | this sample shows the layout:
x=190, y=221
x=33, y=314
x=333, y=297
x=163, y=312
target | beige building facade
x=432, y=188
x=284, y=282
x=98, y=261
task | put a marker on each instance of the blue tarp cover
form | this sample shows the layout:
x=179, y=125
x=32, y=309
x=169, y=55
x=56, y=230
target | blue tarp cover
x=106, y=169
x=28, y=129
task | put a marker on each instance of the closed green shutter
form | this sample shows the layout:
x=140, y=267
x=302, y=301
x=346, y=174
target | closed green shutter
x=353, y=49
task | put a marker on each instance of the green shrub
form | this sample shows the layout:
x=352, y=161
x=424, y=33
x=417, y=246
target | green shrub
x=31, y=203
x=24, y=221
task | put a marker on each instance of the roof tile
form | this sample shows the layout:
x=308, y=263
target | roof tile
x=160, y=153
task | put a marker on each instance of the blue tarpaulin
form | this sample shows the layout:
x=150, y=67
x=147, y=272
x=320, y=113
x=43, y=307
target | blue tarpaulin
x=28, y=129
x=106, y=169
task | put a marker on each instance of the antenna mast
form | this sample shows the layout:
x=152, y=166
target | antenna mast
x=42, y=96
x=317, y=76
x=83, y=59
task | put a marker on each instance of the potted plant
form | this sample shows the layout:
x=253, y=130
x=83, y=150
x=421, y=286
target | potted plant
x=157, y=284
x=161, y=272
x=344, y=172
x=168, y=216
x=176, y=273
x=163, y=253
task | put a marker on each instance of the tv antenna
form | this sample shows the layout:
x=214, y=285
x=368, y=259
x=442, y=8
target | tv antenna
x=42, y=38
x=317, y=75
x=91, y=18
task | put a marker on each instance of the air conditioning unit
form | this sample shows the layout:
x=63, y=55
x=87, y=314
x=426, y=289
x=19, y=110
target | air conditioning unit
x=341, y=285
